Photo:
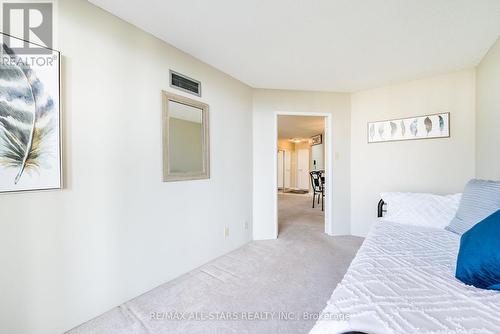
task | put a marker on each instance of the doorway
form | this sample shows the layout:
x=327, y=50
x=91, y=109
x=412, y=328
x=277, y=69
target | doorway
x=302, y=142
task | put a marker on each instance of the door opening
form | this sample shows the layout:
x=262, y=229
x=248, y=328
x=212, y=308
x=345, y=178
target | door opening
x=302, y=172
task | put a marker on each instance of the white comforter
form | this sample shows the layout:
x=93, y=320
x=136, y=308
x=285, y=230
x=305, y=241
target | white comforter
x=402, y=281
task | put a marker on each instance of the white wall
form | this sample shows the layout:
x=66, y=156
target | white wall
x=116, y=230
x=488, y=115
x=265, y=104
x=433, y=165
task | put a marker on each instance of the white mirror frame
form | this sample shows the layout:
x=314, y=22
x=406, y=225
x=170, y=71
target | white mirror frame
x=205, y=173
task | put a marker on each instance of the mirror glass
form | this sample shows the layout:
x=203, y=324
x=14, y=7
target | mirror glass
x=185, y=139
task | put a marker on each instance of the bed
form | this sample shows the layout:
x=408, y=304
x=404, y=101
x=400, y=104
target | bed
x=402, y=281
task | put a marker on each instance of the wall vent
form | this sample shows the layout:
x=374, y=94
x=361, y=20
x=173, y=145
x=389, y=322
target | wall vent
x=185, y=83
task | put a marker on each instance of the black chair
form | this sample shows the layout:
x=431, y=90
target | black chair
x=317, y=183
x=322, y=178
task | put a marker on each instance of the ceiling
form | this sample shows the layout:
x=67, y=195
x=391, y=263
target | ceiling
x=300, y=126
x=325, y=45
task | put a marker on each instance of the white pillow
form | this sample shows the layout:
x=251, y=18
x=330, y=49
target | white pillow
x=421, y=209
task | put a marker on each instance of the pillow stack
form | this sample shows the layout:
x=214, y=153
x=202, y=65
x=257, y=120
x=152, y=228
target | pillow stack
x=475, y=215
x=478, y=221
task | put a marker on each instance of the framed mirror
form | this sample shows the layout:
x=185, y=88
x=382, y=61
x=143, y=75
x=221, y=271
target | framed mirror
x=186, y=148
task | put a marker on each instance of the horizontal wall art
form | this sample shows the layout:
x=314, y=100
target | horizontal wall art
x=421, y=127
x=30, y=150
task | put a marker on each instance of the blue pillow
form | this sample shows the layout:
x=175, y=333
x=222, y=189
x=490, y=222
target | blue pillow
x=478, y=261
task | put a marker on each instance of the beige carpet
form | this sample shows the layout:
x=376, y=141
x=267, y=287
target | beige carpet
x=269, y=283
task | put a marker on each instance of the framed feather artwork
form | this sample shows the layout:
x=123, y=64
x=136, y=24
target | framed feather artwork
x=411, y=128
x=30, y=140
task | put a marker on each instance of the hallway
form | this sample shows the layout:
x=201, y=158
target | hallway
x=295, y=211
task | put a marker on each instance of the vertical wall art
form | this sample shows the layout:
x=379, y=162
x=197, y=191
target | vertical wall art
x=30, y=150
x=420, y=127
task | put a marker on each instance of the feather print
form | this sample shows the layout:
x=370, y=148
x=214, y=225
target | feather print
x=414, y=127
x=441, y=124
x=394, y=128
x=25, y=118
x=403, y=128
x=372, y=131
x=428, y=125
x=381, y=130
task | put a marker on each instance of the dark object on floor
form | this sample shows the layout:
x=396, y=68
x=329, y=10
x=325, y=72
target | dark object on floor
x=297, y=191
